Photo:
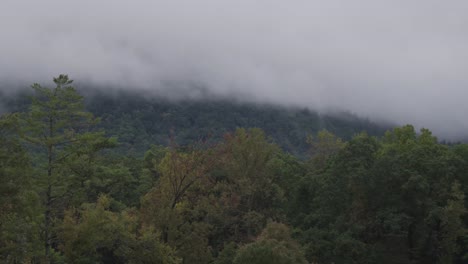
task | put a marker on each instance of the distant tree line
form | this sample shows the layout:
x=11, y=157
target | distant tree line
x=139, y=120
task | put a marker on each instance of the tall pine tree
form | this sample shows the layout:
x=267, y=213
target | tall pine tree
x=59, y=129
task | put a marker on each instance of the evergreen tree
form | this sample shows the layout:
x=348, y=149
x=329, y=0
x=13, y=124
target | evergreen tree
x=59, y=130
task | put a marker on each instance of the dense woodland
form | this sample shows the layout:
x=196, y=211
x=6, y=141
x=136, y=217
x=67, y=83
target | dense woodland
x=71, y=193
x=138, y=120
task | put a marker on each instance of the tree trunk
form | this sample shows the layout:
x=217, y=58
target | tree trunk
x=47, y=216
x=48, y=209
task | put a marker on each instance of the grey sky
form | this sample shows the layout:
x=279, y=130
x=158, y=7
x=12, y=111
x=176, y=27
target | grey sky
x=400, y=60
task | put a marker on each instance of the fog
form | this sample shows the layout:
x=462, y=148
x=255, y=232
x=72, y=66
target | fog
x=401, y=61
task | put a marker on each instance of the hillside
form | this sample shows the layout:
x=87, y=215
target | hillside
x=139, y=121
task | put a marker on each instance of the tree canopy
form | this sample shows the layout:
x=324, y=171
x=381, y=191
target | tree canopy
x=70, y=193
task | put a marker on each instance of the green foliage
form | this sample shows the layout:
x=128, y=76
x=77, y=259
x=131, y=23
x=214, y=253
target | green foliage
x=172, y=207
x=140, y=121
x=323, y=147
x=399, y=197
x=273, y=246
x=58, y=129
x=249, y=159
x=72, y=194
x=19, y=209
x=94, y=234
x=227, y=255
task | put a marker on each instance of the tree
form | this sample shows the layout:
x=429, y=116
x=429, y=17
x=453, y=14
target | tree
x=273, y=246
x=59, y=130
x=172, y=206
x=418, y=177
x=248, y=158
x=95, y=234
x=323, y=147
x=19, y=229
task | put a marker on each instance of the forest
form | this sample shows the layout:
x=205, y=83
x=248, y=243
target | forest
x=102, y=180
x=139, y=120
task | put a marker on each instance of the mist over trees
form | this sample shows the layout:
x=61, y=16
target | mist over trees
x=71, y=192
x=401, y=61
x=139, y=120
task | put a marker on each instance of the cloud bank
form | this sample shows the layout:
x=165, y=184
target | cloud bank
x=402, y=61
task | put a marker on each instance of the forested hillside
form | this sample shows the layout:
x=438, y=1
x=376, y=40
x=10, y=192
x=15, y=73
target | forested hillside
x=225, y=189
x=139, y=121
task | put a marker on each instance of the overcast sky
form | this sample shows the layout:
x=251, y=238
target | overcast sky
x=400, y=60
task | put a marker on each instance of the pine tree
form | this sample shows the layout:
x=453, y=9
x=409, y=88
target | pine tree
x=59, y=129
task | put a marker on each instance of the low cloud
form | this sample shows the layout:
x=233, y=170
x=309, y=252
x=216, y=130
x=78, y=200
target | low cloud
x=401, y=61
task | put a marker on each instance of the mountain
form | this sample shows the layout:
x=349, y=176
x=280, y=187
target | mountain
x=139, y=120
